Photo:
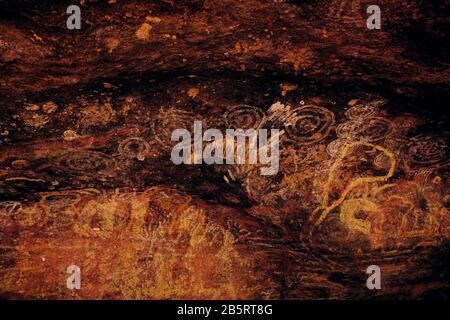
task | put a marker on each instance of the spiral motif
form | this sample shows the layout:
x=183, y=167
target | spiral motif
x=370, y=130
x=243, y=117
x=87, y=163
x=308, y=124
x=426, y=151
x=134, y=148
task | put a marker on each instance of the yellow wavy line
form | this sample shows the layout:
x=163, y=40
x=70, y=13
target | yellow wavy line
x=326, y=193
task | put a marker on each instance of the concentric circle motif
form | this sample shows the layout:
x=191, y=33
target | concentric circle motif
x=134, y=148
x=243, y=117
x=372, y=129
x=91, y=163
x=361, y=111
x=308, y=124
x=427, y=151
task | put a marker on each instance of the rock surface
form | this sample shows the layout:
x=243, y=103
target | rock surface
x=86, y=176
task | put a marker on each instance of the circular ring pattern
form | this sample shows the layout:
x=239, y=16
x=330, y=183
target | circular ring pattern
x=426, y=150
x=372, y=129
x=87, y=163
x=243, y=117
x=134, y=148
x=308, y=124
